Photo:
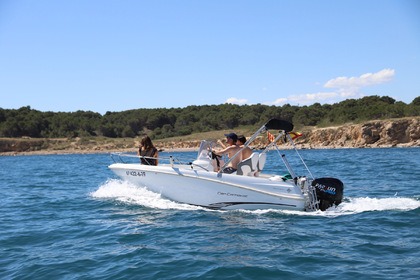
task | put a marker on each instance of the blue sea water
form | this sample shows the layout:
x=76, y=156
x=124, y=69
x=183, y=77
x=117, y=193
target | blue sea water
x=69, y=217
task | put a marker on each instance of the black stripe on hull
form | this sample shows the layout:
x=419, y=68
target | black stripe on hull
x=227, y=204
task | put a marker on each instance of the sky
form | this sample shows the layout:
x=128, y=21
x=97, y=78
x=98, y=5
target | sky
x=112, y=55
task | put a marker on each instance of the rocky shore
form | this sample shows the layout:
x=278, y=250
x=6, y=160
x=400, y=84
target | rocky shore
x=403, y=132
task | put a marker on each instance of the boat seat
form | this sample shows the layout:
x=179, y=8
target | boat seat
x=248, y=166
x=261, y=162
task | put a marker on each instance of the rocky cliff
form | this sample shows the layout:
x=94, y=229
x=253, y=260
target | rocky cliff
x=381, y=133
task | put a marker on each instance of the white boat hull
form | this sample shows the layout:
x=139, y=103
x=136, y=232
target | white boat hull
x=211, y=189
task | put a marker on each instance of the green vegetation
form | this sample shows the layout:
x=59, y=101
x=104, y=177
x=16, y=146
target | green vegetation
x=163, y=123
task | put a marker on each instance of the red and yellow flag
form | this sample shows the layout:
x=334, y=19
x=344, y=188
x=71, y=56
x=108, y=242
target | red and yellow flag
x=270, y=137
x=295, y=135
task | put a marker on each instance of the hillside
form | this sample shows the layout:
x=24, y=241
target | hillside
x=404, y=132
x=164, y=123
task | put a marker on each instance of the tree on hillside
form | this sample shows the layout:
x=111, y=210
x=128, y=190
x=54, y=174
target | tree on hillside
x=162, y=122
x=416, y=101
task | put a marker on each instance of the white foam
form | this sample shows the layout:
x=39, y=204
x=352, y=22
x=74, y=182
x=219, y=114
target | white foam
x=128, y=193
x=353, y=206
x=364, y=204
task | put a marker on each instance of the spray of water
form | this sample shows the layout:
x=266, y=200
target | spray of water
x=125, y=192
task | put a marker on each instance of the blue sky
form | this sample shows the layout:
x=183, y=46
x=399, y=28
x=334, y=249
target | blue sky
x=101, y=55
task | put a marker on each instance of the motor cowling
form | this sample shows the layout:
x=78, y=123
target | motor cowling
x=329, y=192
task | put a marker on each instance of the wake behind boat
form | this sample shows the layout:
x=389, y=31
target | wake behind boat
x=197, y=183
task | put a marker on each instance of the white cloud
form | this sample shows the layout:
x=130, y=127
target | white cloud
x=279, y=101
x=364, y=80
x=314, y=97
x=234, y=100
x=305, y=99
x=342, y=88
x=345, y=88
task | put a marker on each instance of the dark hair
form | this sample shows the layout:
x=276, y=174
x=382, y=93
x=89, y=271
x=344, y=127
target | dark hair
x=147, y=151
x=146, y=142
x=242, y=138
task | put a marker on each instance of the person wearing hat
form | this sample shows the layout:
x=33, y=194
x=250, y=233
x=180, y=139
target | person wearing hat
x=230, y=151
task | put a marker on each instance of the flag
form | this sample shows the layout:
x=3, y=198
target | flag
x=270, y=137
x=295, y=135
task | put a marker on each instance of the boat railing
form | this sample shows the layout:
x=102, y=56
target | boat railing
x=123, y=157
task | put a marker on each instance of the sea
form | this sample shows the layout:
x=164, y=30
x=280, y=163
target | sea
x=69, y=217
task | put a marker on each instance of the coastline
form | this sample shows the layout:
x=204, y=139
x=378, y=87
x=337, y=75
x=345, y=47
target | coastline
x=87, y=151
x=192, y=149
x=399, y=133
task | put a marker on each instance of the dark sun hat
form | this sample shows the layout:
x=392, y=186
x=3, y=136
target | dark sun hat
x=232, y=136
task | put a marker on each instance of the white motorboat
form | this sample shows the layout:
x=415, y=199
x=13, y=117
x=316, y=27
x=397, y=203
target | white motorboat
x=197, y=183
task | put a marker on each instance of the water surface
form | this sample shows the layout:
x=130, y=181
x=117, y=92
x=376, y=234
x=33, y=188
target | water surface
x=69, y=217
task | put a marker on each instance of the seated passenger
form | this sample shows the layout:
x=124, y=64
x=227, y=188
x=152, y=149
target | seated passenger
x=147, y=152
x=230, y=151
x=246, y=152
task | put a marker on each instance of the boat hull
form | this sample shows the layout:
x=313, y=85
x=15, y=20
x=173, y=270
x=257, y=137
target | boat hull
x=213, y=190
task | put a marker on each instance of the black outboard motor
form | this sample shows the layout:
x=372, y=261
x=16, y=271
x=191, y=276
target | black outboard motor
x=329, y=192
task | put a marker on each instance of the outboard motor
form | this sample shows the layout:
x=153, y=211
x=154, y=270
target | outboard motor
x=329, y=192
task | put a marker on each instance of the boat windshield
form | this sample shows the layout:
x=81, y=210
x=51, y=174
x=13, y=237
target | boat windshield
x=206, y=146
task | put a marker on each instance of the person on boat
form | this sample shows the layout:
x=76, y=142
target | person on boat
x=147, y=152
x=230, y=151
x=246, y=152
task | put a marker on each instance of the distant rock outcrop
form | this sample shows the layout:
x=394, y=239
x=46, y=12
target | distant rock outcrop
x=381, y=133
x=403, y=132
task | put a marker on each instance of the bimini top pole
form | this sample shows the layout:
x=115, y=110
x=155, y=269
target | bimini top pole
x=246, y=144
x=271, y=124
x=297, y=152
x=275, y=124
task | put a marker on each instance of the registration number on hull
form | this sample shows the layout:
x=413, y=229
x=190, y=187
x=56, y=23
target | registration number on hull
x=136, y=173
